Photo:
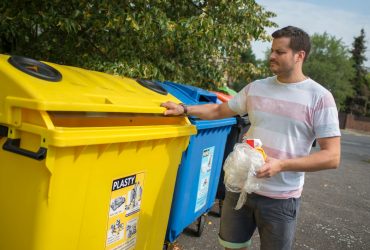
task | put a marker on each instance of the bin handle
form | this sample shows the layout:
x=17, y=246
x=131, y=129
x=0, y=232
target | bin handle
x=3, y=131
x=12, y=145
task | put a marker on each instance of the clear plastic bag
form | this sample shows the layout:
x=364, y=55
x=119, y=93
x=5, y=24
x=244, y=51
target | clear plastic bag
x=240, y=171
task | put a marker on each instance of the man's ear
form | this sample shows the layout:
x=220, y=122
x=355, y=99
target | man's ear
x=300, y=55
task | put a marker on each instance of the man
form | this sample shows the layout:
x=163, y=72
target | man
x=288, y=112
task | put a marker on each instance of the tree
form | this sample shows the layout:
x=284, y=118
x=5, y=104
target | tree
x=258, y=69
x=330, y=64
x=359, y=58
x=187, y=41
x=360, y=82
x=368, y=87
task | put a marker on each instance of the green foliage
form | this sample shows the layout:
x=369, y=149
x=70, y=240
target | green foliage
x=254, y=69
x=264, y=65
x=191, y=41
x=358, y=55
x=360, y=103
x=329, y=64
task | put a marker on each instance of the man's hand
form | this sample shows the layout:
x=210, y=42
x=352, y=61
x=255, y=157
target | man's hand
x=172, y=108
x=209, y=111
x=271, y=167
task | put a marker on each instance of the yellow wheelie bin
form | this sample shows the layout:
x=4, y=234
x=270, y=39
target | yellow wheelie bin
x=87, y=159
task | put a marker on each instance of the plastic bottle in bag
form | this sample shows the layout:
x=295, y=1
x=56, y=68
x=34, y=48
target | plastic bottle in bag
x=240, y=168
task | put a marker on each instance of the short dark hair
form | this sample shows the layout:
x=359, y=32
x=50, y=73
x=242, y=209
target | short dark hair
x=299, y=39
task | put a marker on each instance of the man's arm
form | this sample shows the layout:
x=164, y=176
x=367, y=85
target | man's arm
x=327, y=158
x=205, y=111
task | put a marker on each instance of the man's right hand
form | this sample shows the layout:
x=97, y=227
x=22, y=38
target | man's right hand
x=172, y=108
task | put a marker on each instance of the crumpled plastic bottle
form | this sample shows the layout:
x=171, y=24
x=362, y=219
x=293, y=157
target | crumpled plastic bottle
x=240, y=170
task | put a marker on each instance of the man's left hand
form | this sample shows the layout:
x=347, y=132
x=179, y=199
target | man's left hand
x=271, y=167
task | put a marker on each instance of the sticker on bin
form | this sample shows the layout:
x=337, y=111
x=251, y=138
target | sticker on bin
x=124, y=210
x=204, y=177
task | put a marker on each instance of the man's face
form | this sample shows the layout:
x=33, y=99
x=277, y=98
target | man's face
x=282, y=58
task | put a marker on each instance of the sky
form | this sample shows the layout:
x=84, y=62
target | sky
x=342, y=19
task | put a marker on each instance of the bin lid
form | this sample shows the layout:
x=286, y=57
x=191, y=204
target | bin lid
x=189, y=95
x=36, y=85
x=228, y=90
x=223, y=97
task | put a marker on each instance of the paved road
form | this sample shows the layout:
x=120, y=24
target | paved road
x=335, y=212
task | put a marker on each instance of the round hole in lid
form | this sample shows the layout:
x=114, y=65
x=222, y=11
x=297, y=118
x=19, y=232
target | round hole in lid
x=152, y=86
x=35, y=68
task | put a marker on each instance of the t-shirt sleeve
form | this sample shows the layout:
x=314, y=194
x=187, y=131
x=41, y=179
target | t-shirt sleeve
x=326, y=122
x=238, y=103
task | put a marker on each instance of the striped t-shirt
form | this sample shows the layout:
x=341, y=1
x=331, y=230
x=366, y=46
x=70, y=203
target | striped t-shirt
x=287, y=118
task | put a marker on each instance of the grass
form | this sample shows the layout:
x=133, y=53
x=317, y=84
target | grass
x=367, y=161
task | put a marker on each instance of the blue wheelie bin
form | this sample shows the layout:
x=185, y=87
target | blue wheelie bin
x=200, y=168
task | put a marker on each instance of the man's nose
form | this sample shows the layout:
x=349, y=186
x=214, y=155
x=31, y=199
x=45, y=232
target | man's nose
x=272, y=55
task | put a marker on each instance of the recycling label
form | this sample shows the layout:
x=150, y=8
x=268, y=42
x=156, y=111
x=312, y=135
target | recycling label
x=124, y=207
x=204, y=178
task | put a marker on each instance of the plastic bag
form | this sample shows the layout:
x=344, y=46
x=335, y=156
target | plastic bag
x=240, y=171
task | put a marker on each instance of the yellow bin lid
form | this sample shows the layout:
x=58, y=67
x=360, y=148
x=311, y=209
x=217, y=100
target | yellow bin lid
x=69, y=106
x=74, y=90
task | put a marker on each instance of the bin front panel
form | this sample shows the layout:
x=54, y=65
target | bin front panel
x=197, y=179
x=72, y=208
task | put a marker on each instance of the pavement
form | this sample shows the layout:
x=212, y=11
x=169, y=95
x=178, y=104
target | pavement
x=335, y=209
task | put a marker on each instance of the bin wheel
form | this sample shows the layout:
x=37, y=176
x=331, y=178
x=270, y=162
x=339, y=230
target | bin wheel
x=165, y=246
x=35, y=68
x=172, y=246
x=201, y=222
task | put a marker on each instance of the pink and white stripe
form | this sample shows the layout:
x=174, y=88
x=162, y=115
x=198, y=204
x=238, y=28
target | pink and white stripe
x=287, y=118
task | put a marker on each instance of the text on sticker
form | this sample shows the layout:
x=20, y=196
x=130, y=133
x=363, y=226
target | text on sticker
x=123, y=182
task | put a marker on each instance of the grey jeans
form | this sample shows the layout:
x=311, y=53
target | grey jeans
x=274, y=218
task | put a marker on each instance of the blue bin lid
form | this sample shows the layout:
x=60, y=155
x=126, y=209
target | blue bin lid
x=191, y=95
